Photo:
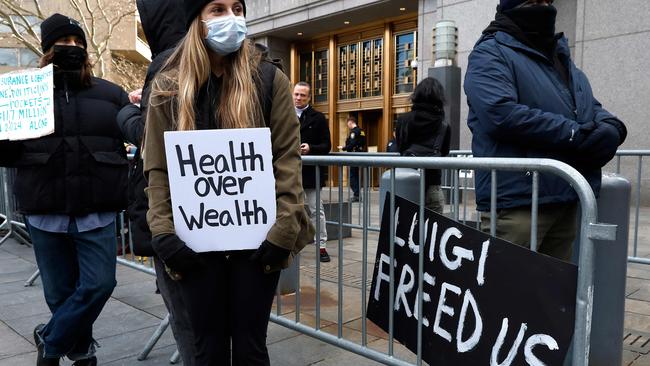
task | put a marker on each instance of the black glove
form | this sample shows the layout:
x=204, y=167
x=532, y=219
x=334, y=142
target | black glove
x=580, y=135
x=270, y=254
x=599, y=147
x=622, y=130
x=175, y=254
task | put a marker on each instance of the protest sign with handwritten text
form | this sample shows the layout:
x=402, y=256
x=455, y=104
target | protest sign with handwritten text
x=26, y=104
x=486, y=302
x=222, y=187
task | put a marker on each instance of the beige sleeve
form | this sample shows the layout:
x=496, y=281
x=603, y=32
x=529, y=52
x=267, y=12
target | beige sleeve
x=287, y=166
x=159, y=215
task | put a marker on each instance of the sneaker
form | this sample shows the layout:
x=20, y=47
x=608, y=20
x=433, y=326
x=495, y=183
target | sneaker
x=324, y=257
x=40, y=360
x=86, y=362
x=355, y=199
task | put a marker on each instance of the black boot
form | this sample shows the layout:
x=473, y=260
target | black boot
x=40, y=360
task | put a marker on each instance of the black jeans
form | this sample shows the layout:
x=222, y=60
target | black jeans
x=229, y=300
x=179, y=318
x=354, y=180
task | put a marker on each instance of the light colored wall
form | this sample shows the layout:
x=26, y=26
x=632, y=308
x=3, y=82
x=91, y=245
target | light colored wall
x=613, y=49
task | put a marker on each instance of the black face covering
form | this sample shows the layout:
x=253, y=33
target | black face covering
x=537, y=22
x=69, y=58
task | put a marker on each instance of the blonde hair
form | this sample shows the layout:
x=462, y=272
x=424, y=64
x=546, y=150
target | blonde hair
x=188, y=69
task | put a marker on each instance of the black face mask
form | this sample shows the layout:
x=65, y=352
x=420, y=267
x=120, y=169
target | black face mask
x=69, y=58
x=537, y=22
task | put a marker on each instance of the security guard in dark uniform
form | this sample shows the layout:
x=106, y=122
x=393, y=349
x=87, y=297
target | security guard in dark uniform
x=356, y=142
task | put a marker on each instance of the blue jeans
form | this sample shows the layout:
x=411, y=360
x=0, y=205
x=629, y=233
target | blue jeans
x=78, y=276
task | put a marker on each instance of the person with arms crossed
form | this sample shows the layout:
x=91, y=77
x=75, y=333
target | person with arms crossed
x=528, y=99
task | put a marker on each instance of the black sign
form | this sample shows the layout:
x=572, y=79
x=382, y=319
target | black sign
x=485, y=301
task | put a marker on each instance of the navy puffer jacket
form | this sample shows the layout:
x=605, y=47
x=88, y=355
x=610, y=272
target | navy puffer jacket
x=519, y=106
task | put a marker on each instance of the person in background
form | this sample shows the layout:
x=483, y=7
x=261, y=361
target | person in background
x=527, y=99
x=314, y=140
x=392, y=145
x=70, y=186
x=424, y=132
x=216, y=79
x=164, y=29
x=356, y=142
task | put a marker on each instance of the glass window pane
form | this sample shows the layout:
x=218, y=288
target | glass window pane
x=348, y=72
x=343, y=72
x=32, y=21
x=28, y=58
x=405, y=76
x=305, y=67
x=8, y=57
x=320, y=76
x=352, y=79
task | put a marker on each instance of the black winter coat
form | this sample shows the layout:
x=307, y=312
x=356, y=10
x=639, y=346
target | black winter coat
x=315, y=131
x=163, y=29
x=81, y=168
x=356, y=141
x=424, y=132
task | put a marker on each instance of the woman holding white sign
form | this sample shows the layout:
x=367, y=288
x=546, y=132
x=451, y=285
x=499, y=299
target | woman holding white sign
x=216, y=79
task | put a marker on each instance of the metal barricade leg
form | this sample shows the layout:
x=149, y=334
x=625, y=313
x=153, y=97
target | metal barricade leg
x=175, y=357
x=32, y=278
x=154, y=338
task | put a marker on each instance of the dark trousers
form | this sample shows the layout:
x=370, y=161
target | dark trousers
x=229, y=299
x=179, y=318
x=78, y=276
x=354, y=180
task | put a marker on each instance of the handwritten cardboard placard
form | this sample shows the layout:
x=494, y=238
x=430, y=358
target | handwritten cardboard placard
x=486, y=302
x=222, y=187
x=26, y=104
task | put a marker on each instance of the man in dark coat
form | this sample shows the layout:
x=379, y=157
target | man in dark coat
x=356, y=142
x=314, y=140
x=527, y=99
x=163, y=28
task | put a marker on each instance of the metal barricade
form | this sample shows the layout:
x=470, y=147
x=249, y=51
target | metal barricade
x=590, y=230
x=637, y=185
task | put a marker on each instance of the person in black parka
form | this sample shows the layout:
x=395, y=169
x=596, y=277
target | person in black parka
x=70, y=185
x=424, y=132
x=164, y=28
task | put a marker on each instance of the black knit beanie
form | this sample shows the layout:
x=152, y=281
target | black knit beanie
x=193, y=8
x=57, y=26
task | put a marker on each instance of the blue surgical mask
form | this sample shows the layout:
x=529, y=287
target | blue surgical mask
x=225, y=34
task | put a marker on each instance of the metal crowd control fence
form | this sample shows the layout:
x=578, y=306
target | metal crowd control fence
x=460, y=189
x=638, y=154
x=590, y=230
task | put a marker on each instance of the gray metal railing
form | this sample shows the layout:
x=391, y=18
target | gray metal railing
x=458, y=191
x=638, y=154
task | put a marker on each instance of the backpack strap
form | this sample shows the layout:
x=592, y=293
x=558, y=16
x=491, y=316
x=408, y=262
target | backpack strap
x=267, y=75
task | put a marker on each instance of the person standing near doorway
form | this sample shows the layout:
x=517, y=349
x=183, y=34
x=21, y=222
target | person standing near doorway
x=356, y=142
x=314, y=140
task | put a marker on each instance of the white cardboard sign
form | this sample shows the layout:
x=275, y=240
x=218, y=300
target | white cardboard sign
x=222, y=187
x=26, y=104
